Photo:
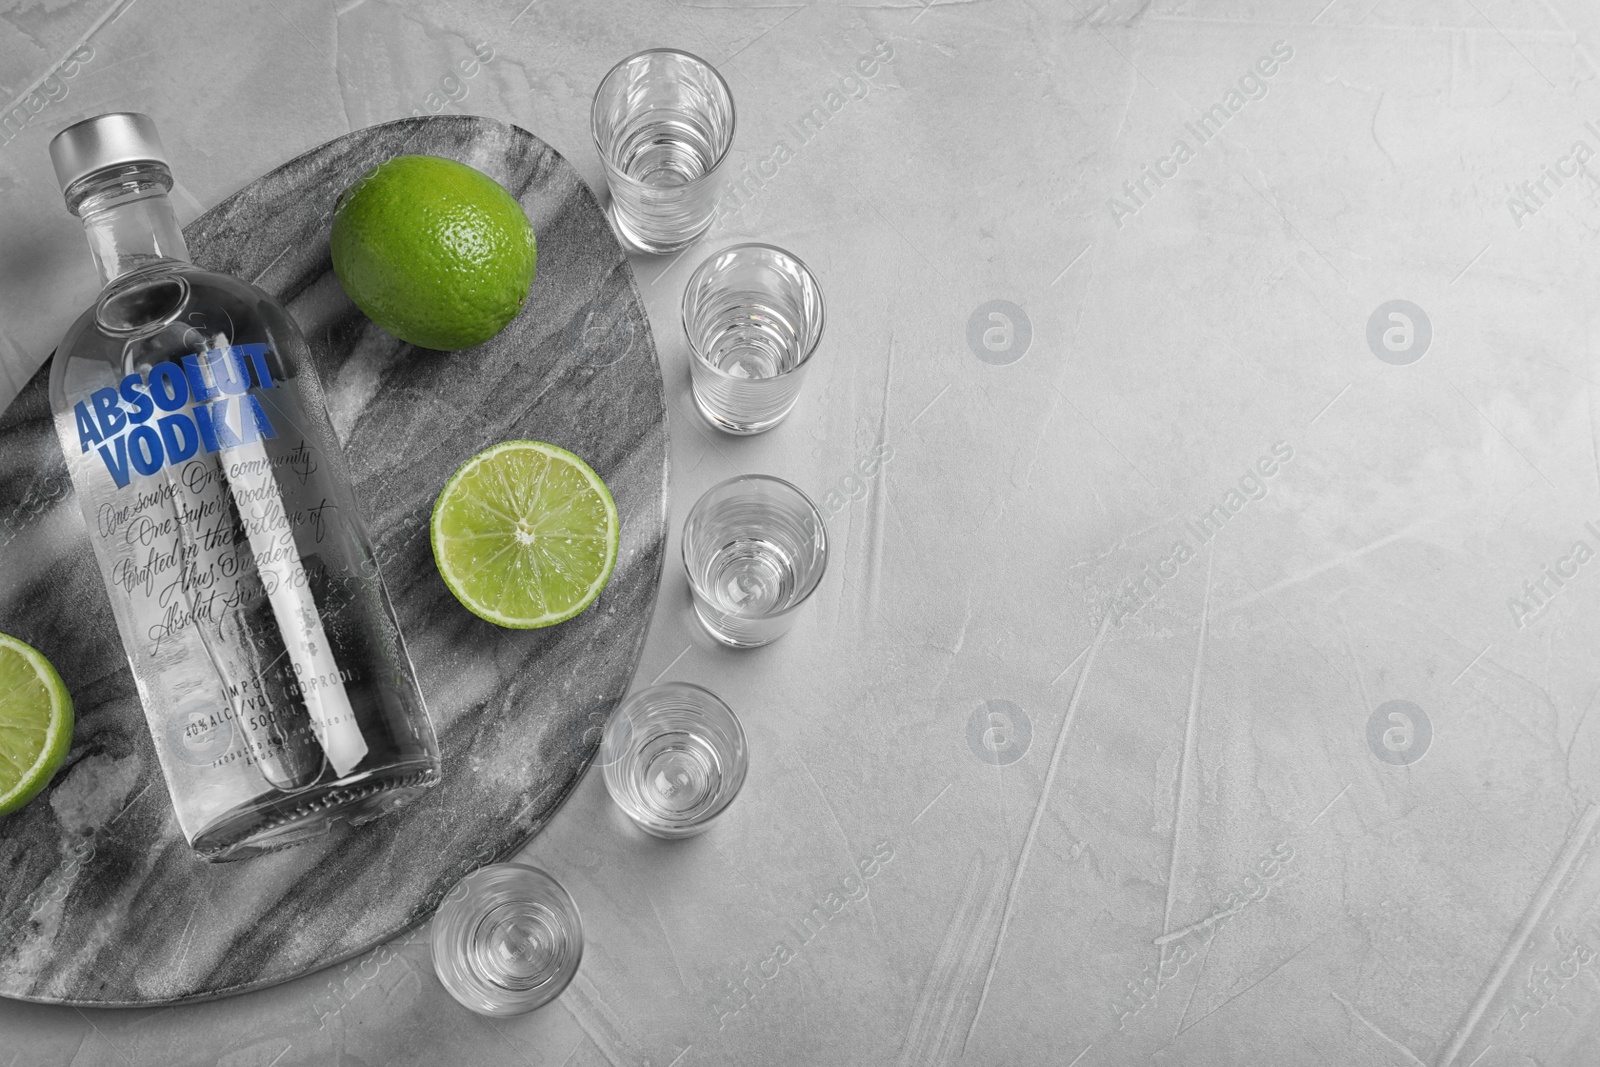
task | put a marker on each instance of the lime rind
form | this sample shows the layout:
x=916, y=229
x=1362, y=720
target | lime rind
x=525, y=534
x=434, y=251
x=30, y=755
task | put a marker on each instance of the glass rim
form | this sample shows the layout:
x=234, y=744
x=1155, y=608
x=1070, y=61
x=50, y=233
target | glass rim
x=557, y=985
x=743, y=742
x=822, y=536
x=525, y=869
x=594, y=112
x=805, y=358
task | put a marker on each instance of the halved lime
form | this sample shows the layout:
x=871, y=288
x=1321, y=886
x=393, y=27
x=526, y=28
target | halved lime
x=525, y=534
x=35, y=723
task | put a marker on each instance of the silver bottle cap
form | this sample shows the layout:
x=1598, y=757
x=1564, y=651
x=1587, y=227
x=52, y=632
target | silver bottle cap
x=111, y=140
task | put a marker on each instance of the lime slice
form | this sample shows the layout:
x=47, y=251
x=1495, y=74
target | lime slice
x=525, y=534
x=35, y=723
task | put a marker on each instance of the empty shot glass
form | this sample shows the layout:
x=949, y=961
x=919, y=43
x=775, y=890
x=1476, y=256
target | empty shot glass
x=663, y=123
x=753, y=314
x=673, y=757
x=755, y=548
x=507, y=939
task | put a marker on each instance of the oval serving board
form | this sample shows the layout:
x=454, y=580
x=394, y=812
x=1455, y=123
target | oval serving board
x=101, y=901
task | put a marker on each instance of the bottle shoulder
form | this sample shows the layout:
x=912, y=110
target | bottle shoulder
x=159, y=314
x=197, y=278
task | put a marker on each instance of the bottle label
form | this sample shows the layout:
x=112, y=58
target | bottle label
x=177, y=411
x=201, y=527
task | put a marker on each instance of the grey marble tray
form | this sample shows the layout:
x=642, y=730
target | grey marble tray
x=101, y=901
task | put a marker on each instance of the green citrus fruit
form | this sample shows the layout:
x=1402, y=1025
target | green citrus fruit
x=435, y=252
x=525, y=534
x=35, y=723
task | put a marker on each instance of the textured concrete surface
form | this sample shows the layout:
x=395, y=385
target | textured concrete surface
x=1307, y=779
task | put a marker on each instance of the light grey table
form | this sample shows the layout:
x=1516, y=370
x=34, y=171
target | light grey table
x=1188, y=676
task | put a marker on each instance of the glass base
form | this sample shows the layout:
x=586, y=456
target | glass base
x=273, y=823
x=633, y=241
x=721, y=422
x=506, y=940
x=752, y=634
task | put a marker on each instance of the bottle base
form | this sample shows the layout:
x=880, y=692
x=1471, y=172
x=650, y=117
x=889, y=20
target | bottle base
x=271, y=825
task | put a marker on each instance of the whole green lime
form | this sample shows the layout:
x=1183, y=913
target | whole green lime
x=434, y=251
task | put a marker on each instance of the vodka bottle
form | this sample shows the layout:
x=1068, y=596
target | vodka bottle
x=265, y=650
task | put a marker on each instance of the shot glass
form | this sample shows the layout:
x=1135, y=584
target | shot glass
x=755, y=548
x=673, y=757
x=507, y=939
x=662, y=123
x=753, y=314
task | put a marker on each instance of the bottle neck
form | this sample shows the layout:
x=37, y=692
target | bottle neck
x=128, y=219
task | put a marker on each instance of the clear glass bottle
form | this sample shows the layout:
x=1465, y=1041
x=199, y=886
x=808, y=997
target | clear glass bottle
x=261, y=638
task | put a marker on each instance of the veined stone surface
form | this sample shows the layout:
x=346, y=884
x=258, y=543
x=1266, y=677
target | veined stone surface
x=103, y=902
